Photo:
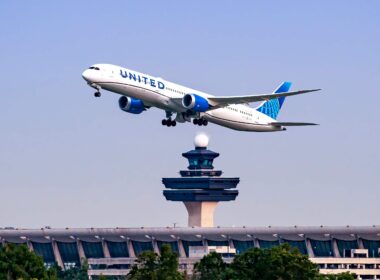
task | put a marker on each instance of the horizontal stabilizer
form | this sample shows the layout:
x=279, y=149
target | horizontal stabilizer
x=291, y=123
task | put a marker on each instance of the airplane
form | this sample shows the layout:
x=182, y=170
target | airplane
x=141, y=91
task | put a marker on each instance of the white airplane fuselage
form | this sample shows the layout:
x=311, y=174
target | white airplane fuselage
x=157, y=92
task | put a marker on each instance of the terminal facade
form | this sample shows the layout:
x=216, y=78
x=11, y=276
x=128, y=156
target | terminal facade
x=112, y=251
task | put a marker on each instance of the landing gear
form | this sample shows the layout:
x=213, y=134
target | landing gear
x=200, y=122
x=97, y=87
x=168, y=122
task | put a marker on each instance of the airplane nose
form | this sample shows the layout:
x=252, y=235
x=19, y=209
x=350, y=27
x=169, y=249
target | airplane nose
x=86, y=75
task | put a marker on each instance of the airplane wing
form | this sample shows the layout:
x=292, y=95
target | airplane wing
x=176, y=100
x=219, y=102
x=291, y=124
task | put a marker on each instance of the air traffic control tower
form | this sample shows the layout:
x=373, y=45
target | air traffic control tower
x=200, y=187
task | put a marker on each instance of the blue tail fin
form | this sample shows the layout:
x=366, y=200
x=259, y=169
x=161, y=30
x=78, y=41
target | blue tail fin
x=272, y=107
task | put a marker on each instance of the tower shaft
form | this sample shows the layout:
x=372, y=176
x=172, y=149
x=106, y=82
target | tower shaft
x=201, y=213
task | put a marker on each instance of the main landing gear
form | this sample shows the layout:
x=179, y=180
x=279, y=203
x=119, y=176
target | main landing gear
x=97, y=94
x=169, y=122
x=200, y=122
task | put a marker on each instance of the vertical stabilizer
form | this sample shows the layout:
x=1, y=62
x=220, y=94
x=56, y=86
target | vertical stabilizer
x=272, y=107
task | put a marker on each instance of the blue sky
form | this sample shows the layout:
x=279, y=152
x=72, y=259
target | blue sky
x=68, y=159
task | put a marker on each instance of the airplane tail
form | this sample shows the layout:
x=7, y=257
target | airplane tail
x=272, y=107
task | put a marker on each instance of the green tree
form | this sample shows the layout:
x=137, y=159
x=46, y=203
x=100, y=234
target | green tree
x=340, y=276
x=277, y=263
x=77, y=273
x=168, y=264
x=211, y=266
x=145, y=266
x=151, y=266
x=18, y=262
x=282, y=262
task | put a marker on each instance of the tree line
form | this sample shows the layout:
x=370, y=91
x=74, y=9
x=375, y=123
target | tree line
x=278, y=263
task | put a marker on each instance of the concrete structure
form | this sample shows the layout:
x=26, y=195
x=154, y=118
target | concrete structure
x=200, y=187
x=111, y=251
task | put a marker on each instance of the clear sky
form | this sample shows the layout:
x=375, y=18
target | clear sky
x=69, y=159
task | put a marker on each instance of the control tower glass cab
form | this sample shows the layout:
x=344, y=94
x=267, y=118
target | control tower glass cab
x=200, y=163
x=200, y=187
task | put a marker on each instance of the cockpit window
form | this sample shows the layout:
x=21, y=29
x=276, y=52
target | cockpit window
x=95, y=68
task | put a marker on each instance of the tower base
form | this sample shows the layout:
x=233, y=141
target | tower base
x=201, y=213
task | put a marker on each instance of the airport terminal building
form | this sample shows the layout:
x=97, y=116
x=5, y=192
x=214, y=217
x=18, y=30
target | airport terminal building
x=112, y=251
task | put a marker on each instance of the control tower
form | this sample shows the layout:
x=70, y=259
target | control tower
x=200, y=187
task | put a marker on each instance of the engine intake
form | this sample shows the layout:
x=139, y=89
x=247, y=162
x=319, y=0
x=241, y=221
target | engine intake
x=195, y=103
x=131, y=105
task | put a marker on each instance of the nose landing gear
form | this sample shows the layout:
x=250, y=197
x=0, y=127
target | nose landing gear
x=97, y=87
x=200, y=122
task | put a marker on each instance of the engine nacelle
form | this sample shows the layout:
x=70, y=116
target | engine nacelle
x=131, y=105
x=195, y=103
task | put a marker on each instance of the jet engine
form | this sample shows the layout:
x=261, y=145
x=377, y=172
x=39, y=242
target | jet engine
x=131, y=105
x=195, y=103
